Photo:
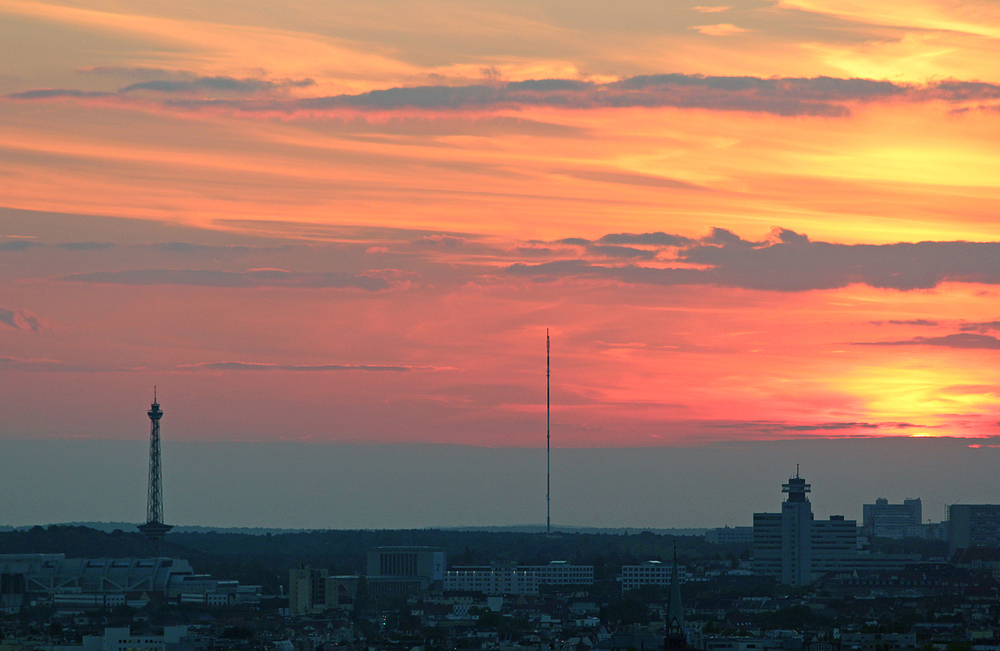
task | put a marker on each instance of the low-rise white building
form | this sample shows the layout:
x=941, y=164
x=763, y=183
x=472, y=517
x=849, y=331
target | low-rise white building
x=510, y=578
x=730, y=536
x=651, y=573
x=122, y=639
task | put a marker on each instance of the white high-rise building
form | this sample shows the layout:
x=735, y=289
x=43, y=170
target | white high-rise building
x=795, y=548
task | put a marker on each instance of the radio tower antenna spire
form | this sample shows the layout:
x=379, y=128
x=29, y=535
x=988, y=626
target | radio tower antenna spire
x=154, y=527
x=548, y=434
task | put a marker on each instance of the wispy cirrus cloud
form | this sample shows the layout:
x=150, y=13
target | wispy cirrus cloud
x=21, y=320
x=372, y=281
x=961, y=340
x=219, y=84
x=719, y=29
x=642, y=180
x=59, y=93
x=166, y=83
x=45, y=365
x=820, y=429
x=19, y=245
x=816, y=96
x=982, y=326
x=136, y=72
x=86, y=246
x=261, y=366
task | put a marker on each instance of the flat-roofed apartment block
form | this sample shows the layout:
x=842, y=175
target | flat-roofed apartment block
x=507, y=577
x=313, y=590
x=651, y=573
x=834, y=545
x=306, y=594
x=730, y=536
x=403, y=570
x=563, y=573
x=892, y=520
x=122, y=639
x=974, y=525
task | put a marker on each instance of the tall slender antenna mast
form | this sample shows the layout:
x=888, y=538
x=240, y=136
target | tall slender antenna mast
x=548, y=435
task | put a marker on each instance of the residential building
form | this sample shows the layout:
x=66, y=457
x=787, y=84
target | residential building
x=973, y=525
x=879, y=641
x=651, y=573
x=313, y=590
x=500, y=578
x=174, y=638
x=730, y=536
x=563, y=573
x=891, y=520
x=306, y=590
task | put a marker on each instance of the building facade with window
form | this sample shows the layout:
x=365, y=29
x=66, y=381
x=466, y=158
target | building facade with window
x=502, y=578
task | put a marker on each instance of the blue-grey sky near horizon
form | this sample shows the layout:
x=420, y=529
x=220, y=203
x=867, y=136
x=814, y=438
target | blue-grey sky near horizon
x=349, y=486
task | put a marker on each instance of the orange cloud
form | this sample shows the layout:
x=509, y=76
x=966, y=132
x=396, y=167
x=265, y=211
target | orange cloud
x=721, y=29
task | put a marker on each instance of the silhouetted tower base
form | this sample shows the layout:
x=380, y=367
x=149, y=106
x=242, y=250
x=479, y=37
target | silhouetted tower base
x=154, y=528
x=675, y=642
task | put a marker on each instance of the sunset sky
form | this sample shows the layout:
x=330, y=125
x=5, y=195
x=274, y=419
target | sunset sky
x=353, y=222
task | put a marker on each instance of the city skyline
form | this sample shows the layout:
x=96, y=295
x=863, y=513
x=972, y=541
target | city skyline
x=764, y=222
x=295, y=485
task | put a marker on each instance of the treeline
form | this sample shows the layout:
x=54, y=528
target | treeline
x=266, y=559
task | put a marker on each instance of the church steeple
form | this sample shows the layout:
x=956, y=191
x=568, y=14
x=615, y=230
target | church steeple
x=675, y=639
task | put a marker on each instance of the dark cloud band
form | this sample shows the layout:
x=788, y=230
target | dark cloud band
x=960, y=340
x=790, y=262
x=818, y=96
x=371, y=282
x=258, y=366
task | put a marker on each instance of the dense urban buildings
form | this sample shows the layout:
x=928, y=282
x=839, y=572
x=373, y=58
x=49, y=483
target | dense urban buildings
x=796, y=549
x=742, y=581
x=612, y=605
x=33, y=579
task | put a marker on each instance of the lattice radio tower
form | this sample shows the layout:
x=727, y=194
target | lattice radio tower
x=154, y=527
x=548, y=435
